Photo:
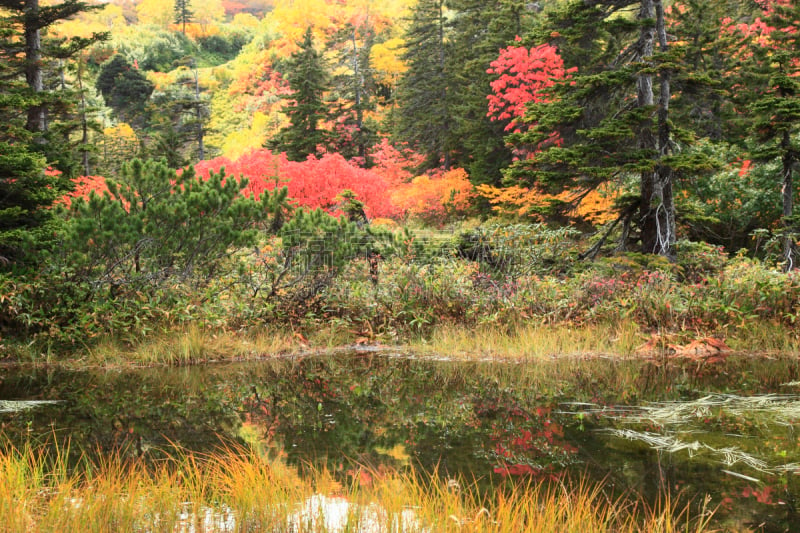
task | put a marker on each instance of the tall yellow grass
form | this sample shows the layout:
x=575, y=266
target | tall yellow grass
x=238, y=490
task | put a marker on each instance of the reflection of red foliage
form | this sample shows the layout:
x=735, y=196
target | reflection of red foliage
x=524, y=439
x=763, y=495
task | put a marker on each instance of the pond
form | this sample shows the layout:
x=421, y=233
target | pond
x=724, y=428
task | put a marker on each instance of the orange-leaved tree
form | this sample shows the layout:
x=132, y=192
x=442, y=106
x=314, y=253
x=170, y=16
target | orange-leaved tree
x=595, y=206
x=435, y=199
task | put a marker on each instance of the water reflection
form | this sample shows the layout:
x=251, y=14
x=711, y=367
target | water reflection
x=632, y=423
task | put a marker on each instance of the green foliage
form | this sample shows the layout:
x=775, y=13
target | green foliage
x=726, y=207
x=147, y=253
x=424, y=118
x=225, y=46
x=26, y=192
x=512, y=251
x=153, y=48
x=27, y=109
x=124, y=88
x=477, y=31
x=314, y=248
x=155, y=228
x=308, y=80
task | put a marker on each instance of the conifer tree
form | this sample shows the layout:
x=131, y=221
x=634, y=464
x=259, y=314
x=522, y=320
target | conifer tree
x=183, y=14
x=125, y=89
x=356, y=89
x=607, y=123
x=776, y=110
x=478, y=29
x=425, y=118
x=26, y=190
x=308, y=80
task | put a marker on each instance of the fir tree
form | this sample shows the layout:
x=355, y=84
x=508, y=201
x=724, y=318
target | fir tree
x=183, y=14
x=356, y=89
x=26, y=190
x=425, y=118
x=776, y=111
x=125, y=89
x=478, y=30
x=608, y=122
x=308, y=80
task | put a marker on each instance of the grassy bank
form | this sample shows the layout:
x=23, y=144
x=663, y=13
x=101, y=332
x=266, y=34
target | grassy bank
x=505, y=291
x=237, y=490
x=192, y=344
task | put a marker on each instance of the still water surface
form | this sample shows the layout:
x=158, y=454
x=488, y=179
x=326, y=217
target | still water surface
x=726, y=429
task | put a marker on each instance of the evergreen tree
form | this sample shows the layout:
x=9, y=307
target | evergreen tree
x=154, y=228
x=776, y=110
x=707, y=83
x=308, y=80
x=26, y=190
x=425, y=118
x=606, y=123
x=478, y=30
x=28, y=18
x=183, y=14
x=179, y=117
x=125, y=89
x=356, y=89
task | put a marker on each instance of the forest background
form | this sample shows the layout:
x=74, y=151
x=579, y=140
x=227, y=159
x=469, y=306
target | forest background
x=385, y=171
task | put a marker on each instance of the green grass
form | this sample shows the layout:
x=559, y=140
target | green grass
x=237, y=487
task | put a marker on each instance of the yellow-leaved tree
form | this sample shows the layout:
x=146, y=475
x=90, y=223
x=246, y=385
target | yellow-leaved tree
x=119, y=144
x=86, y=23
x=156, y=12
x=207, y=13
x=595, y=206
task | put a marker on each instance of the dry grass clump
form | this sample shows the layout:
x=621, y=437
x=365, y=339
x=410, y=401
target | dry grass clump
x=236, y=489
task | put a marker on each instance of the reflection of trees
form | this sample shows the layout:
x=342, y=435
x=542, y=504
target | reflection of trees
x=358, y=408
x=474, y=419
x=137, y=412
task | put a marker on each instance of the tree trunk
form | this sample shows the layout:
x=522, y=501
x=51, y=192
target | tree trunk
x=787, y=192
x=446, y=161
x=666, y=215
x=33, y=66
x=357, y=83
x=87, y=171
x=644, y=98
x=657, y=205
x=201, y=152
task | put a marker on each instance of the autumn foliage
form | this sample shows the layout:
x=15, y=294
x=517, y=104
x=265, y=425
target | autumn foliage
x=315, y=182
x=386, y=190
x=596, y=206
x=524, y=75
x=435, y=199
x=84, y=185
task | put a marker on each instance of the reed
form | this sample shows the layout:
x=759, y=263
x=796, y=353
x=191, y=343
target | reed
x=191, y=345
x=532, y=341
x=236, y=489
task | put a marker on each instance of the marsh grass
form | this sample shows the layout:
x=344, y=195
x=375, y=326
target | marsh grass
x=190, y=345
x=236, y=489
x=763, y=336
x=533, y=340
